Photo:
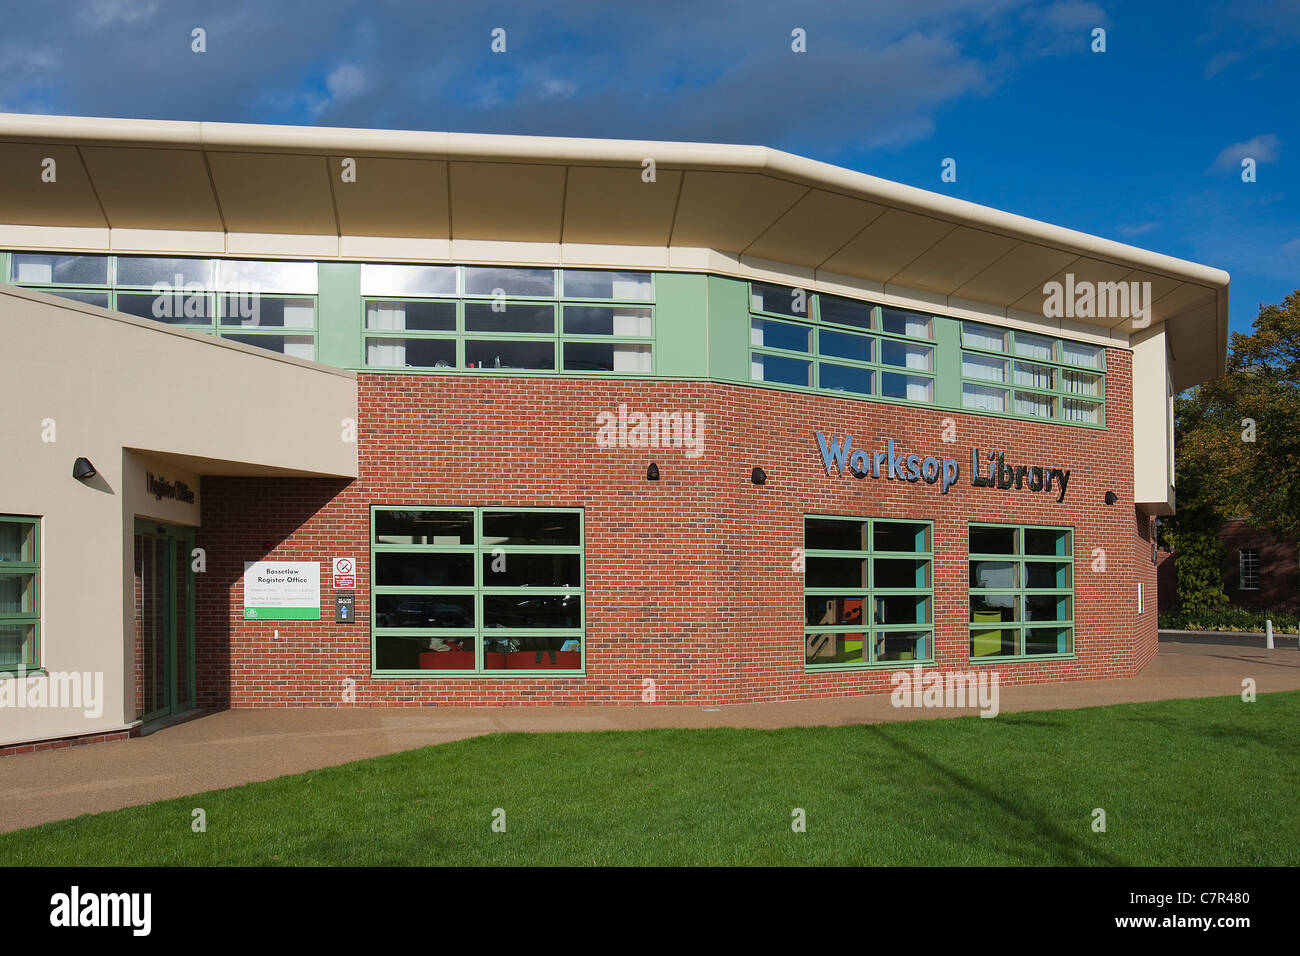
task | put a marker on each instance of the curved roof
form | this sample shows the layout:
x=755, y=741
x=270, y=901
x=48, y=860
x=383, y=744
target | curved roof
x=748, y=201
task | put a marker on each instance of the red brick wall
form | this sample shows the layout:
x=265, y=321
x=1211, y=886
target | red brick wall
x=690, y=580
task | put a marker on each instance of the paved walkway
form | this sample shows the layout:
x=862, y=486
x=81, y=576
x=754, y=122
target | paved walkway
x=227, y=748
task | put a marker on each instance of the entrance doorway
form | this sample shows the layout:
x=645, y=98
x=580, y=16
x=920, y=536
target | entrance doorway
x=164, y=613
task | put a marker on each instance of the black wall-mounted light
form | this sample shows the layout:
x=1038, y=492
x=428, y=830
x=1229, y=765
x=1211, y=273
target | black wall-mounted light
x=652, y=473
x=1111, y=497
x=758, y=476
x=83, y=469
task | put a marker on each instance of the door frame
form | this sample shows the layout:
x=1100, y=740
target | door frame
x=174, y=537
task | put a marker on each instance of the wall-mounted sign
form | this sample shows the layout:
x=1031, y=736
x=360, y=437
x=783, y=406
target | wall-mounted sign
x=161, y=488
x=841, y=457
x=282, y=590
x=344, y=607
x=345, y=573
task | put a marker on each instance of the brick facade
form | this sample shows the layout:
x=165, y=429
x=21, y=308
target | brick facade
x=691, y=579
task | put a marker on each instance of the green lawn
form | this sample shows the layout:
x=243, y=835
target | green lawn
x=1184, y=782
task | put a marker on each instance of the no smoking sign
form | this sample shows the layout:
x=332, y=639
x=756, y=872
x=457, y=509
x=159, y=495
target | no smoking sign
x=345, y=573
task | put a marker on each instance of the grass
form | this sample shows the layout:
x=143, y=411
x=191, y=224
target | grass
x=1183, y=782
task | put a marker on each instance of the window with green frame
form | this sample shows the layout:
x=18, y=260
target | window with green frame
x=476, y=591
x=1021, y=591
x=271, y=305
x=833, y=344
x=515, y=319
x=868, y=591
x=20, y=592
x=1022, y=373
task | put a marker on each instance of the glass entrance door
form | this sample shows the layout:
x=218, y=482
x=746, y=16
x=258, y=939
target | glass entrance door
x=164, y=589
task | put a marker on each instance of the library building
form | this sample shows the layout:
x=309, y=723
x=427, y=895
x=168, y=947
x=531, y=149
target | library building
x=311, y=417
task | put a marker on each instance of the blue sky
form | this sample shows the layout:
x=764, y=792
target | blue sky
x=1141, y=143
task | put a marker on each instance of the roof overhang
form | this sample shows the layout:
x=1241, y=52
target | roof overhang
x=747, y=201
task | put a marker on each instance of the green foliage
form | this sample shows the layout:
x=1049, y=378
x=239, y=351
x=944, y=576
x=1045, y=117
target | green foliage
x=1195, y=540
x=1250, y=620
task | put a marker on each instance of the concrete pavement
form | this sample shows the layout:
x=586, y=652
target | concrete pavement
x=232, y=747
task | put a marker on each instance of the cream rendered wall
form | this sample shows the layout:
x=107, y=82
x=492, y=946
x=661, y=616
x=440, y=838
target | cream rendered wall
x=1153, y=423
x=126, y=393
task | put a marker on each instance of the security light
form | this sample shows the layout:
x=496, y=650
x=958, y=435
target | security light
x=652, y=473
x=83, y=469
x=758, y=476
x=1111, y=497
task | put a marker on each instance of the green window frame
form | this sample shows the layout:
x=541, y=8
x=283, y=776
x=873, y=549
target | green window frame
x=461, y=348
x=1021, y=586
x=213, y=298
x=1030, y=384
x=20, y=593
x=884, y=565
x=465, y=625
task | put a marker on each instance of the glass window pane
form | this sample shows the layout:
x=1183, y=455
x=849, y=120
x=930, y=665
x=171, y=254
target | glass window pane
x=992, y=642
x=778, y=368
x=171, y=308
x=901, y=645
x=844, y=378
x=297, y=346
x=986, y=608
x=481, y=280
x=531, y=527
x=410, y=353
x=835, y=572
x=984, y=398
x=173, y=273
x=1033, y=346
x=846, y=311
x=1034, y=376
x=1074, y=410
x=901, y=573
x=830, y=534
x=994, y=574
x=16, y=642
x=764, y=333
x=533, y=356
x=900, y=536
x=983, y=367
x=416, y=569
x=513, y=570
x=839, y=612
x=415, y=316
x=256, y=276
x=1080, y=383
x=844, y=345
x=829, y=647
x=258, y=311
x=17, y=541
x=17, y=593
x=1040, y=406
x=90, y=298
x=64, y=270
x=424, y=610
x=1047, y=541
x=424, y=527
x=902, y=609
x=1043, y=574
x=1047, y=607
x=989, y=540
x=380, y=279
x=976, y=335
x=913, y=388
x=905, y=355
x=607, y=285
x=1048, y=640
x=510, y=317
x=905, y=322
x=781, y=299
x=530, y=611
x=607, y=320
x=1076, y=353
x=602, y=357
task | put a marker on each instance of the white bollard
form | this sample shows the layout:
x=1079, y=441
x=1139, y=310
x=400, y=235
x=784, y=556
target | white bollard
x=1268, y=634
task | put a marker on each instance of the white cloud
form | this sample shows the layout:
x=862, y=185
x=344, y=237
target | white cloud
x=1137, y=229
x=1221, y=61
x=346, y=81
x=1263, y=149
x=102, y=13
